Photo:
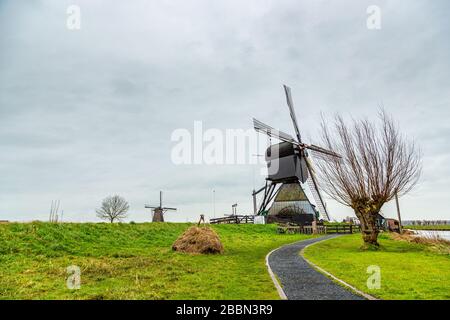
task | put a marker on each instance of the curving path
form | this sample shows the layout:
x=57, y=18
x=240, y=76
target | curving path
x=300, y=281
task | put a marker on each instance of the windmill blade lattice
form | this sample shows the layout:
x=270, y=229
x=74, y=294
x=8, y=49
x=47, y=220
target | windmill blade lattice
x=322, y=152
x=290, y=104
x=313, y=186
x=271, y=132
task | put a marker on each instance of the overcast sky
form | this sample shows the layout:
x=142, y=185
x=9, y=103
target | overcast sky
x=88, y=113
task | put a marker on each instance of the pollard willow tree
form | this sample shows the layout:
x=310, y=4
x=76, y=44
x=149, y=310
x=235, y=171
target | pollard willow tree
x=377, y=163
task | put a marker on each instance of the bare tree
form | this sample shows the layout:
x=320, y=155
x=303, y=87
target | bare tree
x=113, y=207
x=377, y=163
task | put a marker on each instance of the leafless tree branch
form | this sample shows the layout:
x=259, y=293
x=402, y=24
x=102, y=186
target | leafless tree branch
x=377, y=163
x=113, y=208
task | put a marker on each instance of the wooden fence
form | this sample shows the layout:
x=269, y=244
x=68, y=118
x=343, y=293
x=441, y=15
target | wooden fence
x=233, y=219
x=300, y=229
x=282, y=228
x=343, y=228
x=333, y=229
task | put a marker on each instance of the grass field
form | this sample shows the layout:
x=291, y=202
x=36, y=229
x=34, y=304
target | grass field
x=408, y=270
x=134, y=261
x=435, y=227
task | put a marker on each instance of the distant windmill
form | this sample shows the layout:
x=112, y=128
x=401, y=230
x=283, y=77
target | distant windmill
x=158, y=211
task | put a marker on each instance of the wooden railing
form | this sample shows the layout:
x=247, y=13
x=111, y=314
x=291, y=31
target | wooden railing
x=348, y=229
x=233, y=219
x=300, y=229
x=321, y=229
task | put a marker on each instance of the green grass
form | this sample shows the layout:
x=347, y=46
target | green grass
x=408, y=270
x=134, y=261
x=435, y=227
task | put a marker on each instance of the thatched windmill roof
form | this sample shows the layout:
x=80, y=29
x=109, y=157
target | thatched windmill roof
x=291, y=195
x=291, y=192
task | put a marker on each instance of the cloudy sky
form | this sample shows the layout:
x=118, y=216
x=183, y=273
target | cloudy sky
x=88, y=113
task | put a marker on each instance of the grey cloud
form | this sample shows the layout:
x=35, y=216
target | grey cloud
x=87, y=113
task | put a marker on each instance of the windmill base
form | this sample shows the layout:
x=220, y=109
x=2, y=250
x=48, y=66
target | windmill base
x=298, y=219
x=158, y=216
x=290, y=204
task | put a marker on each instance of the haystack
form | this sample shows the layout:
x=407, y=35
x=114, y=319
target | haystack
x=198, y=240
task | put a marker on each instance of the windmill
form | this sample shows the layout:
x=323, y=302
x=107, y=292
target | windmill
x=289, y=166
x=158, y=211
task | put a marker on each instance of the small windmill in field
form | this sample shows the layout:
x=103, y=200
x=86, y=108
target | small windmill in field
x=158, y=211
x=289, y=166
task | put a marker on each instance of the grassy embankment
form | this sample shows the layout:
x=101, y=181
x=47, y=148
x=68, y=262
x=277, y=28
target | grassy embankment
x=408, y=270
x=435, y=227
x=134, y=261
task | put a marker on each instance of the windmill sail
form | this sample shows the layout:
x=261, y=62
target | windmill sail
x=313, y=186
x=322, y=152
x=290, y=104
x=272, y=132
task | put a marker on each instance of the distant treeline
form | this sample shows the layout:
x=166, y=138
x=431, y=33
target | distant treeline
x=425, y=222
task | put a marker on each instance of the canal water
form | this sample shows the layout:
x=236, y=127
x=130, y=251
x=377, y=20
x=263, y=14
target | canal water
x=431, y=234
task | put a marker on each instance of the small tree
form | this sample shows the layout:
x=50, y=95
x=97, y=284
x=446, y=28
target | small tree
x=377, y=163
x=113, y=207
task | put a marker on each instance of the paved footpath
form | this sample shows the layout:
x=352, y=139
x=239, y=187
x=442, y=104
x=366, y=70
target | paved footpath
x=300, y=281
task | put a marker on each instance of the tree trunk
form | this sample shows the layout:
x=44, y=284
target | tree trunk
x=370, y=232
x=369, y=229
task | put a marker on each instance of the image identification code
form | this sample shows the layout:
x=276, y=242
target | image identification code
x=226, y=309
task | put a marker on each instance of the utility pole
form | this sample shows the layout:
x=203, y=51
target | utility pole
x=254, y=193
x=214, y=203
x=398, y=213
x=254, y=202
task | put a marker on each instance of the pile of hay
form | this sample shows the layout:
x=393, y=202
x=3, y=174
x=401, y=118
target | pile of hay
x=202, y=240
